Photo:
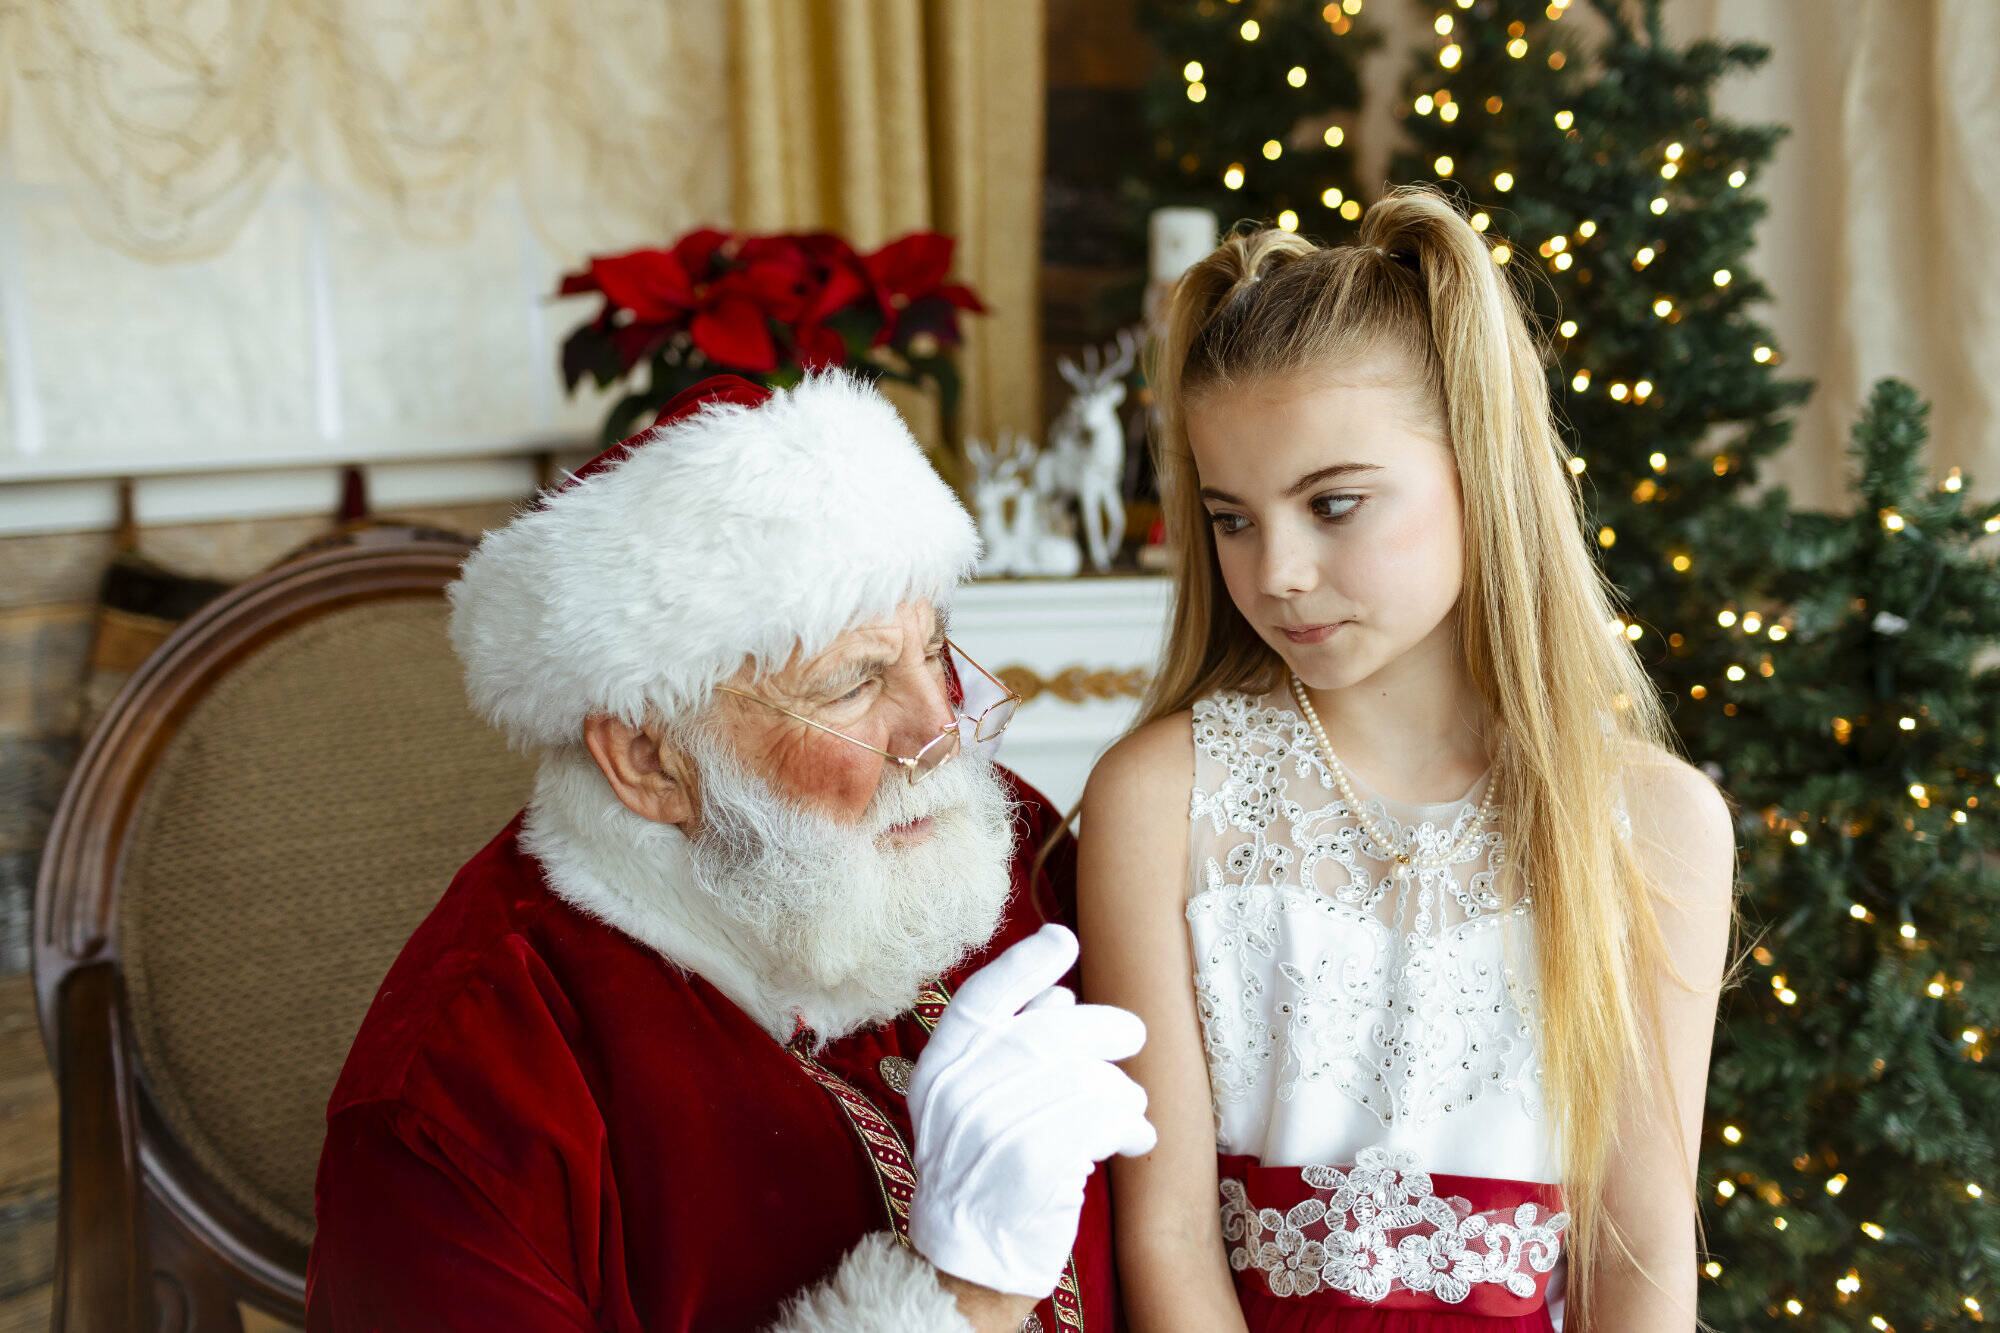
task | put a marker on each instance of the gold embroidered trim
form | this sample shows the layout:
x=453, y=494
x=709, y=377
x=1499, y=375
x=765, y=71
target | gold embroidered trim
x=894, y=1176
x=1075, y=684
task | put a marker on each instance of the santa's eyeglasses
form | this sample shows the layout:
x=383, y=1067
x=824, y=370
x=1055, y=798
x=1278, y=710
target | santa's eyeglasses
x=990, y=719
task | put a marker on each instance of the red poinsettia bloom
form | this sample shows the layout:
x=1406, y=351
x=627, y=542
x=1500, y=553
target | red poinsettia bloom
x=839, y=281
x=725, y=299
x=761, y=306
x=911, y=271
x=657, y=286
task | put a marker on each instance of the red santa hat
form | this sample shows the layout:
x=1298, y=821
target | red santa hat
x=744, y=526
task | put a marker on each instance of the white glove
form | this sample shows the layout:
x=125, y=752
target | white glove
x=1014, y=1101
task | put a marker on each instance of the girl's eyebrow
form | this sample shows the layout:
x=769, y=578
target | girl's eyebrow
x=1307, y=482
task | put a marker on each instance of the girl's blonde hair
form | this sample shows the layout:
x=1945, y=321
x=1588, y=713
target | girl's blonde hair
x=1536, y=616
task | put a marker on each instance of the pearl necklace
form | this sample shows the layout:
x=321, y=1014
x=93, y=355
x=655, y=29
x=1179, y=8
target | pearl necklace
x=1406, y=863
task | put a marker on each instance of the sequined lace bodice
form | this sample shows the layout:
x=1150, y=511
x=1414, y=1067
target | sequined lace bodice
x=1346, y=1007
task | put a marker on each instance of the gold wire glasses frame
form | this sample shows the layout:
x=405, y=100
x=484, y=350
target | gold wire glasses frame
x=942, y=748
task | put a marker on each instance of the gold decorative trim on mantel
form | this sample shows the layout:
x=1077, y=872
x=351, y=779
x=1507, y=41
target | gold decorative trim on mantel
x=1076, y=684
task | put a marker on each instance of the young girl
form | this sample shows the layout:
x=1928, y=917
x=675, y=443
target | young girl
x=1397, y=867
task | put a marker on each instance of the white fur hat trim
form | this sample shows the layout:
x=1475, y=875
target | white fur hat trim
x=731, y=534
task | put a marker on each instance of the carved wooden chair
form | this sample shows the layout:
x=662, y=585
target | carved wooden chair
x=263, y=815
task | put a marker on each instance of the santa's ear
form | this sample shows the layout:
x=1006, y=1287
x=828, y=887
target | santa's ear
x=651, y=778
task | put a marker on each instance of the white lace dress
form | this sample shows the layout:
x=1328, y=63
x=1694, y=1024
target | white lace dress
x=1372, y=1048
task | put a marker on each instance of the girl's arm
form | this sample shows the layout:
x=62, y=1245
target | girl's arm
x=1682, y=834
x=1132, y=882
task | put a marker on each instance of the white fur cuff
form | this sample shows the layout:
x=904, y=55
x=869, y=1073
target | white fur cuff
x=880, y=1287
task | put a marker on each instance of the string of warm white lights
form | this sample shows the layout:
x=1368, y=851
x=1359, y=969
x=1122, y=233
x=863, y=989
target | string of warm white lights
x=1938, y=986
x=1339, y=17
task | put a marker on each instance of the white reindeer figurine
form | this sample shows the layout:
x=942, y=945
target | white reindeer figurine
x=1000, y=495
x=1086, y=453
x=1013, y=519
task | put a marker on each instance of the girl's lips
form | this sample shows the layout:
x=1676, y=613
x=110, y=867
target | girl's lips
x=1310, y=633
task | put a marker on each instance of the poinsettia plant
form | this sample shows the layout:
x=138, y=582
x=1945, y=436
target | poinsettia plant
x=768, y=308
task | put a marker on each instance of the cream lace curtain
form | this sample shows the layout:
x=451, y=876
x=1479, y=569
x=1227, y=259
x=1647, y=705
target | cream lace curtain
x=878, y=117
x=176, y=115
x=1885, y=204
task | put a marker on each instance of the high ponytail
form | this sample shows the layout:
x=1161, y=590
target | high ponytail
x=1569, y=695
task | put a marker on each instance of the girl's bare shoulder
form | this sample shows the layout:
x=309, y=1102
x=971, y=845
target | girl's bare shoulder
x=1144, y=779
x=1681, y=826
x=1666, y=793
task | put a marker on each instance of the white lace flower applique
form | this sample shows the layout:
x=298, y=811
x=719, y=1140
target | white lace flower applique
x=1380, y=1227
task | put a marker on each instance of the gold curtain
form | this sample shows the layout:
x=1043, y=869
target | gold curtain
x=878, y=117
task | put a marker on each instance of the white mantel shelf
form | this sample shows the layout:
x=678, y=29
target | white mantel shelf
x=1096, y=639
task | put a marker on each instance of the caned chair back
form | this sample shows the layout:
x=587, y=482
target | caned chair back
x=253, y=831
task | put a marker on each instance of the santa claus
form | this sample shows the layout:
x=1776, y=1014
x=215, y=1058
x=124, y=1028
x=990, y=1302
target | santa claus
x=753, y=1018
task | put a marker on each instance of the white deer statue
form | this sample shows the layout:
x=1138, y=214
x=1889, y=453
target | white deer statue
x=1000, y=495
x=1086, y=453
x=1013, y=519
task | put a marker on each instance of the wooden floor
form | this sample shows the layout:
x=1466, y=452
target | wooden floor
x=28, y=1170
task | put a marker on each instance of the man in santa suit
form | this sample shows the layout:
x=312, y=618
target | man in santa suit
x=753, y=1018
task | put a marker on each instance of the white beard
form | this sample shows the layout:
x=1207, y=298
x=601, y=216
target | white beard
x=791, y=915
x=827, y=903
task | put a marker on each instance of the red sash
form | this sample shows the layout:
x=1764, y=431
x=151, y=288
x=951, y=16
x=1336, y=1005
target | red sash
x=1383, y=1234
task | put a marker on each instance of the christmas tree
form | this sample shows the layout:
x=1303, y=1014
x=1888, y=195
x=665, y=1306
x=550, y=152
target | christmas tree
x=1250, y=107
x=1602, y=168
x=1854, y=1112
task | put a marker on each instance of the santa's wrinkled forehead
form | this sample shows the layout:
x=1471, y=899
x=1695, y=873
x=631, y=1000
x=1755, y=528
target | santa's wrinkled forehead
x=868, y=648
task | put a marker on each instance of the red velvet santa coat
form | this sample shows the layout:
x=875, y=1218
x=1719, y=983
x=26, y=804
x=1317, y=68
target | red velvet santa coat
x=543, y=1124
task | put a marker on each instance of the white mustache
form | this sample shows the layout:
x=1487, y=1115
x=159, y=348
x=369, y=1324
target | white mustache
x=896, y=801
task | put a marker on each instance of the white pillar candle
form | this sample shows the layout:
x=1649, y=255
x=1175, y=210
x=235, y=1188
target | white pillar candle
x=1178, y=238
